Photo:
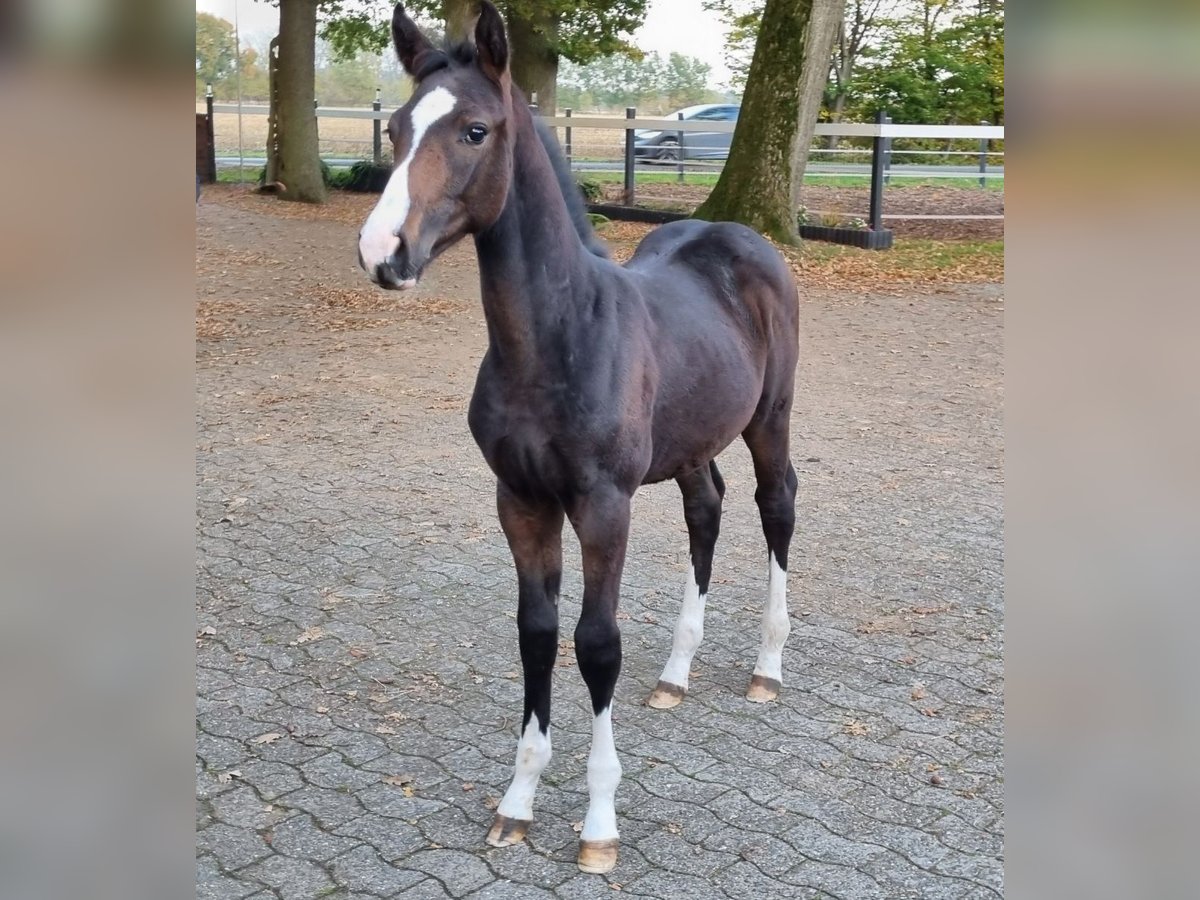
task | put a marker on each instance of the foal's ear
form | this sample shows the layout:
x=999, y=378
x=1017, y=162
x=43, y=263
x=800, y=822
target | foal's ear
x=491, y=43
x=410, y=43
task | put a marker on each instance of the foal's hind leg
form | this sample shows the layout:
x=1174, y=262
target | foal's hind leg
x=702, y=491
x=776, y=499
x=534, y=533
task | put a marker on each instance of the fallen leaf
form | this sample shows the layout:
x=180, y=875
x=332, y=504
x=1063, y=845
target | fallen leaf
x=226, y=777
x=384, y=729
x=322, y=709
x=825, y=764
x=907, y=660
x=468, y=786
x=491, y=802
x=407, y=789
x=269, y=738
x=853, y=726
x=396, y=716
x=673, y=828
x=309, y=634
x=207, y=629
x=577, y=827
x=918, y=691
x=359, y=652
x=397, y=780
x=928, y=711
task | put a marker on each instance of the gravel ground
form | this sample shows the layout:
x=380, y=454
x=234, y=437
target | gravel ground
x=357, y=680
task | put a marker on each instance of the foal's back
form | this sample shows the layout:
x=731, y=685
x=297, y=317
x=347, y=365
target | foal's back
x=689, y=266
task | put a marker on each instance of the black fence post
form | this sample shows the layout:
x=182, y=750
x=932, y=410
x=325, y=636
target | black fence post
x=209, y=166
x=983, y=152
x=875, y=215
x=567, y=135
x=679, y=137
x=630, y=112
x=377, y=129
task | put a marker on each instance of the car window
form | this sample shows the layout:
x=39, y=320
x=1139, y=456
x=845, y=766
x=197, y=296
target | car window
x=710, y=115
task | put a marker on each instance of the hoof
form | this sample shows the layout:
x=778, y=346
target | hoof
x=763, y=689
x=598, y=857
x=505, y=831
x=666, y=696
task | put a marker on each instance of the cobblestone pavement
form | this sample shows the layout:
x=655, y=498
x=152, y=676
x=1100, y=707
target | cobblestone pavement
x=358, y=687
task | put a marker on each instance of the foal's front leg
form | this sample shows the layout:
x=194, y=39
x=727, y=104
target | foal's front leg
x=601, y=519
x=534, y=532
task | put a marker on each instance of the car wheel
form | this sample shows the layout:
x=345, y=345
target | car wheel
x=668, y=151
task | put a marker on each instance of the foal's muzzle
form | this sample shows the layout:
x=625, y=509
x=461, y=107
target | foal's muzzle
x=396, y=273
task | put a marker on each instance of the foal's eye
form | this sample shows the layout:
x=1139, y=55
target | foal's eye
x=475, y=133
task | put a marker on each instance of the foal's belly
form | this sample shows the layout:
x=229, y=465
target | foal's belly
x=695, y=423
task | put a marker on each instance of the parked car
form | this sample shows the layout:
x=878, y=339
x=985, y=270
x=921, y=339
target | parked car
x=663, y=146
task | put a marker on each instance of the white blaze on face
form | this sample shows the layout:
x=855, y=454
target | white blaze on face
x=378, y=238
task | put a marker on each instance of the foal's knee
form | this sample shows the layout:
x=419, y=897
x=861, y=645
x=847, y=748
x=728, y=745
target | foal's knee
x=598, y=651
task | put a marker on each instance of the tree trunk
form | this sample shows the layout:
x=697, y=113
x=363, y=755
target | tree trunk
x=459, y=16
x=816, y=44
x=299, y=159
x=271, y=172
x=759, y=185
x=534, y=60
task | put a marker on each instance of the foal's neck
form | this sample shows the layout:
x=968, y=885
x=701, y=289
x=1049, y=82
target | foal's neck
x=534, y=270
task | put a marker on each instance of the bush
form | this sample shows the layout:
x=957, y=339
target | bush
x=366, y=177
x=592, y=190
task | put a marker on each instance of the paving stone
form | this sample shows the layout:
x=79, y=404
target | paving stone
x=212, y=885
x=232, y=847
x=299, y=837
x=364, y=603
x=292, y=879
x=361, y=869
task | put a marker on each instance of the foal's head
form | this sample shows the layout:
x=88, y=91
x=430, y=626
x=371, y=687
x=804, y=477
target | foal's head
x=452, y=143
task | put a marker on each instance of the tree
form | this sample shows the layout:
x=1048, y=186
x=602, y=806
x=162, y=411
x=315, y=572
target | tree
x=299, y=160
x=941, y=61
x=685, y=80
x=216, y=50
x=540, y=32
x=741, y=18
x=760, y=184
x=857, y=28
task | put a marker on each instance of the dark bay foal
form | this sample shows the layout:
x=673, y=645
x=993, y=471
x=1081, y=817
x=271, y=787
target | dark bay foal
x=598, y=378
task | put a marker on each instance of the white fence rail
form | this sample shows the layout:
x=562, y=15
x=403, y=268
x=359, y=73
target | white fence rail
x=612, y=144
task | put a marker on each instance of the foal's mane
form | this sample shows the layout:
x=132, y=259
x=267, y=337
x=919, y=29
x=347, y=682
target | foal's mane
x=462, y=54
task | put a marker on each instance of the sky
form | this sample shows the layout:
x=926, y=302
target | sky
x=681, y=26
